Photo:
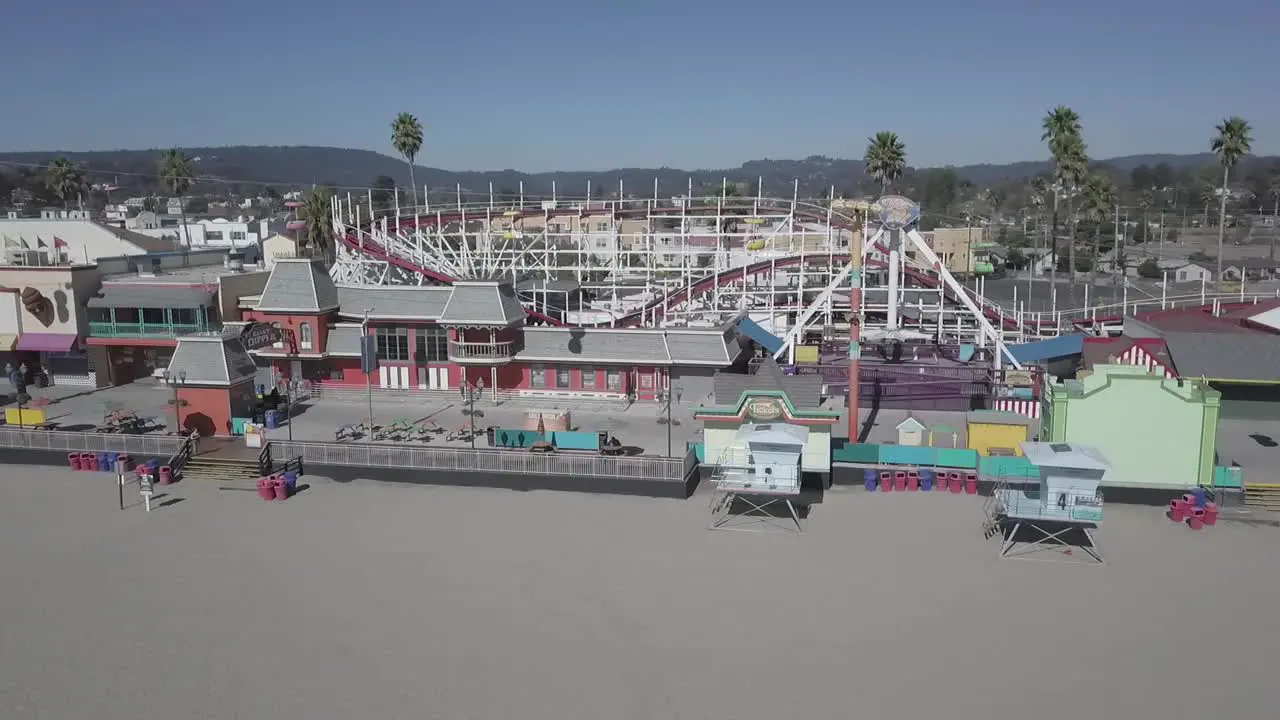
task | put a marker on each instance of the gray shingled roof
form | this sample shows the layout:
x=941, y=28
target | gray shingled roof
x=714, y=346
x=212, y=360
x=151, y=296
x=804, y=391
x=482, y=303
x=298, y=285
x=344, y=341
x=413, y=302
x=1226, y=356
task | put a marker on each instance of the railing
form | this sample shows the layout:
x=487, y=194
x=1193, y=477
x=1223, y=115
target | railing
x=500, y=461
x=265, y=465
x=502, y=350
x=145, y=330
x=179, y=460
x=165, y=446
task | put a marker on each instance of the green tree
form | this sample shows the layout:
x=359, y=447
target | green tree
x=1062, y=132
x=1145, y=201
x=316, y=213
x=406, y=138
x=1231, y=142
x=1099, y=202
x=1150, y=269
x=65, y=179
x=384, y=194
x=885, y=158
x=176, y=170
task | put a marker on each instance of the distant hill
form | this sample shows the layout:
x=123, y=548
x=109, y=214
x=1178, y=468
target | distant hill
x=242, y=167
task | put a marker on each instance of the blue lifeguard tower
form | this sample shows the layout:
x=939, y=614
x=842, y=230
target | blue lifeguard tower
x=1060, y=512
x=758, y=473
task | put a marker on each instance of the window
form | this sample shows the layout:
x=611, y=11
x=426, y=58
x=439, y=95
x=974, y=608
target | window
x=237, y=234
x=646, y=381
x=1182, y=275
x=392, y=344
x=183, y=316
x=304, y=335
x=153, y=316
x=538, y=376
x=588, y=378
x=211, y=235
x=613, y=380
x=280, y=344
x=431, y=345
x=562, y=377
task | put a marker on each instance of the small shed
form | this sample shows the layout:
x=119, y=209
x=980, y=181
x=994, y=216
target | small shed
x=766, y=458
x=1069, y=479
x=992, y=432
x=911, y=432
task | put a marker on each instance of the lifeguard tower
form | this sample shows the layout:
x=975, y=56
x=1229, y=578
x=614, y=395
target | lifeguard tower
x=1059, y=513
x=758, y=477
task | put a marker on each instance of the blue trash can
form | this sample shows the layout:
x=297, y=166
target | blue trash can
x=1201, y=496
x=111, y=462
x=926, y=479
x=102, y=463
x=870, y=478
x=291, y=480
x=270, y=418
x=154, y=466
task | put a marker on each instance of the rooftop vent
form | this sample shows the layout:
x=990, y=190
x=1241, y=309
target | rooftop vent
x=1060, y=448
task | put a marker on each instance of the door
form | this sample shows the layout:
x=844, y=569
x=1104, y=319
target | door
x=440, y=378
x=423, y=379
x=393, y=377
x=295, y=370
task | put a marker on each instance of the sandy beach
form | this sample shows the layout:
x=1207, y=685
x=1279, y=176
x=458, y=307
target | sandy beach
x=385, y=601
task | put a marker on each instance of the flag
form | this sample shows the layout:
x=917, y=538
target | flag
x=59, y=242
x=40, y=243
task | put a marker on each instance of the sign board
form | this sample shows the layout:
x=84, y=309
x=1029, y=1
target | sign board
x=144, y=485
x=259, y=335
x=1019, y=378
x=764, y=409
x=368, y=354
x=896, y=212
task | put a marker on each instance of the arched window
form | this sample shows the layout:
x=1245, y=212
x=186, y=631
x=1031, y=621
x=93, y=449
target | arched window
x=304, y=335
x=280, y=344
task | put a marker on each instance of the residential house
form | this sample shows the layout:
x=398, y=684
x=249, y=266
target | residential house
x=1251, y=269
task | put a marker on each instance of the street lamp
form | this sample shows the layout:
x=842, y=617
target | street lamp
x=175, y=380
x=474, y=392
x=368, y=375
x=666, y=397
x=290, y=387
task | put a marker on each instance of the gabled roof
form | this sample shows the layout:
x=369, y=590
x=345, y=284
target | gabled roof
x=1241, y=357
x=804, y=391
x=218, y=360
x=299, y=286
x=344, y=341
x=482, y=303
x=713, y=347
x=409, y=302
x=911, y=423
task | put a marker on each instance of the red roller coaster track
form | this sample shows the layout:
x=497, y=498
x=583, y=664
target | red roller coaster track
x=656, y=307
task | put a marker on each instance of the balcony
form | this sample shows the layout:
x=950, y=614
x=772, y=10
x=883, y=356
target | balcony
x=145, y=330
x=482, y=352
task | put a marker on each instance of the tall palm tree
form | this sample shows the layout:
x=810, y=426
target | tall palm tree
x=65, y=179
x=406, y=138
x=176, y=170
x=1038, y=195
x=1231, y=143
x=1145, y=201
x=1062, y=128
x=1099, y=202
x=316, y=213
x=1274, y=191
x=1072, y=167
x=885, y=159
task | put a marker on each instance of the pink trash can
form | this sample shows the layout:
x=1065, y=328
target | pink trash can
x=957, y=485
x=971, y=484
x=900, y=481
x=1210, y=513
x=886, y=481
x=280, y=489
x=1177, y=511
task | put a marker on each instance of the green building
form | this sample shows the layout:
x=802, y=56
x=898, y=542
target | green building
x=1155, y=431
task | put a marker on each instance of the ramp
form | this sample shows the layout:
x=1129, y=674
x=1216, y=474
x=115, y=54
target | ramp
x=764, y=338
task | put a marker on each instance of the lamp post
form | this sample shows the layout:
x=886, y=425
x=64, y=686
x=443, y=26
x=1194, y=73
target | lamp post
x=666, y=397
x=368, y=376
x=175, y=380
x=290, y=387
x=474, y=392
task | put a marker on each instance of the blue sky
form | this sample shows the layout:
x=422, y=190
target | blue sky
x=570, y=84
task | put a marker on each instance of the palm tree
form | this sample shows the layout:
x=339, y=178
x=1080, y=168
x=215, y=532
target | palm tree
x=1037, y=196
x=65, y=179
x=175, y=173
x=1231, y=143
x=1145, y=201
x=406, y=138
x=316, y=213
x=1072, y=167
x=1274, y=191
x=1099, y=202
x=885, y=159
x=1062, y=129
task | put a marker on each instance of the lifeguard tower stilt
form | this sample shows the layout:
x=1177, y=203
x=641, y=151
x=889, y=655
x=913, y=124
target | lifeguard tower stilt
x=756, y=485
x=1054, y=518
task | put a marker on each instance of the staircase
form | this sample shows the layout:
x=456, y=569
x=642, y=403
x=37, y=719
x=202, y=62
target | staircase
x=1264, y=496
x=220, y=469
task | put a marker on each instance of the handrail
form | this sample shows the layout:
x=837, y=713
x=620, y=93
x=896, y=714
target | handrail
x=184, y=454
x=265, y=465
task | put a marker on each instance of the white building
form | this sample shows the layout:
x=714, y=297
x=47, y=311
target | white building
x=56, y=240
x=214, y=233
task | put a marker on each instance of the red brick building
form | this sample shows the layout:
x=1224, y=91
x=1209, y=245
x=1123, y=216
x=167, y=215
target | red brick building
x=442, y=338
